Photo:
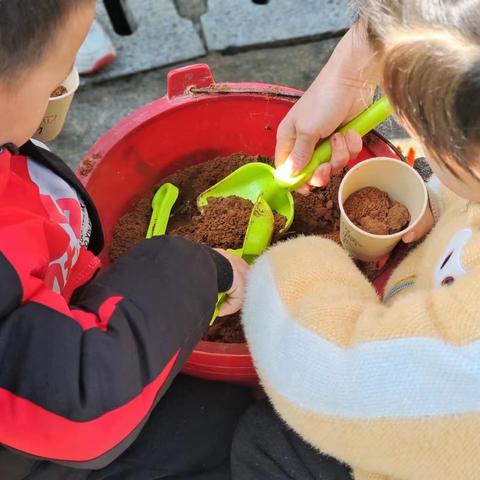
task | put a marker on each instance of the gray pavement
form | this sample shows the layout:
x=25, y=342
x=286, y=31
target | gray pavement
x=164, y=32
x=234, y=24
x=161, y=37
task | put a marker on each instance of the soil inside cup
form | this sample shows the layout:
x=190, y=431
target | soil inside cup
x=224, y=221
x=58, y=92
x=375, y=212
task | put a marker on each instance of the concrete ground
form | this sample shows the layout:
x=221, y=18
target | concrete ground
x=99, y=106
x=153, y=33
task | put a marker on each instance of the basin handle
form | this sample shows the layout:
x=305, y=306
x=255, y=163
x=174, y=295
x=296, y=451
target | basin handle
x=181, y=79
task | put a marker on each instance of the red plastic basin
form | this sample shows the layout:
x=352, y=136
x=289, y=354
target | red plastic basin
x=196, y=121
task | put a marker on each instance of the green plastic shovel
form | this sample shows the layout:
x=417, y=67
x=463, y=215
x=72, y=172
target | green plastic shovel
x=162, y=204
x=255, y=179
x=259, y=232
x=257, y=239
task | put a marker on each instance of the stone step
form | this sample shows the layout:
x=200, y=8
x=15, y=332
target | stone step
x=237, y=24
x=162, y=37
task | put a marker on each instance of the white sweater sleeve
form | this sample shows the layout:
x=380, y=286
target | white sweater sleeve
x=435, y=197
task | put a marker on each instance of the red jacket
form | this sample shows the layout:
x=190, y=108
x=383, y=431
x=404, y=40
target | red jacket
x=85, y=358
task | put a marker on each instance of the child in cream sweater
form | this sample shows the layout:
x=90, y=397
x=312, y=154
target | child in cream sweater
x=388, y=387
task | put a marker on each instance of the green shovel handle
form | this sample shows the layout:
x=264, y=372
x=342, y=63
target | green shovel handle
x=371, y=118
x=221, y=296
x=162, y=205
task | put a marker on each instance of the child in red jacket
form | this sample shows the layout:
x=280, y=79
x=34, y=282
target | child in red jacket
x=85, y=360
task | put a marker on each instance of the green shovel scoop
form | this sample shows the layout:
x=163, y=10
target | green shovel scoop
x=255, y=179
x=162, y=204
x=257, y=239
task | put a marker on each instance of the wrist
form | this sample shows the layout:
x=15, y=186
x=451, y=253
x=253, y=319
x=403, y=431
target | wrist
x=354, y=62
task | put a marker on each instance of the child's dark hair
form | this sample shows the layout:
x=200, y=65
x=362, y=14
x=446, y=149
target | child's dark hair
x=430, y=55
x=27, y=27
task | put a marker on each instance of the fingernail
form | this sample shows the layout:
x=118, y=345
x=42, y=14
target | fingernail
x=325, y=171
x=409, y=237
x=319, y=182
x=304, y=190
x=335, y=140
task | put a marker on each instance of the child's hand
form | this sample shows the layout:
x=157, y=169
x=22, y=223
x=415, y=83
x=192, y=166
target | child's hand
x=423, y=227
x=234, y=300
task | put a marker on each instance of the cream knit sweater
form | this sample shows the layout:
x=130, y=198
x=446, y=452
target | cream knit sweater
x=391, y=388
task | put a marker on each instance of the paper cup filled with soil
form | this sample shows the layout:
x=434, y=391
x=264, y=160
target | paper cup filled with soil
x=58, y=107
x=380, y=200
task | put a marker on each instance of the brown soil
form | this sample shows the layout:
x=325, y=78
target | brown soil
x=373, y=211
x=226, y=330
x=131, y=228
x=58, y=92
x=87, y=164
x=224, y=221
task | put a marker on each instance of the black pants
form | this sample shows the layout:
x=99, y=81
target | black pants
x=264, y=448
x=188, y=437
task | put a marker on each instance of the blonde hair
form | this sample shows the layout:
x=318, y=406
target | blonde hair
x=430, y=63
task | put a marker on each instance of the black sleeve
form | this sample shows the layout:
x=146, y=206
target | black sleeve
x=224, y=271
x=91, y=372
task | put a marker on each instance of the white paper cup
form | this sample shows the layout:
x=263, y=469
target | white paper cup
x=401, y=182
x=57, y=110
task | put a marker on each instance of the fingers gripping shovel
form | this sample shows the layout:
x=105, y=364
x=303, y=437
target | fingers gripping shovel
x=257, y=239
x=255, y=179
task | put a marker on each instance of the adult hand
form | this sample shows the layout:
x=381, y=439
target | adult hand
x=341, y=91
x=321, y=110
